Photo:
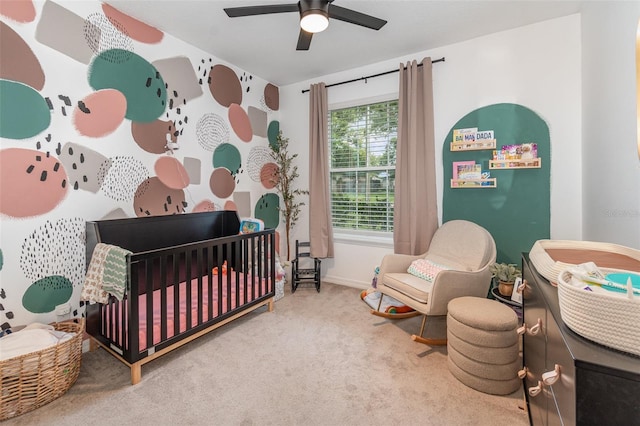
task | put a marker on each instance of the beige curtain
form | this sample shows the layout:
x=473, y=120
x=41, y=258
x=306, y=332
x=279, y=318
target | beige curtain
x=415, y=215
x=320, y=230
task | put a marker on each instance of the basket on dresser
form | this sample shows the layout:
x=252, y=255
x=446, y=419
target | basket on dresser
x=610, y=319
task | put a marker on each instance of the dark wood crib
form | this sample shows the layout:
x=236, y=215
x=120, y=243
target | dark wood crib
x=187, y=275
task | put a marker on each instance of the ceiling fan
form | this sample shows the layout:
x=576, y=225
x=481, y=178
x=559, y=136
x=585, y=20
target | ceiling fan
x=314, y=16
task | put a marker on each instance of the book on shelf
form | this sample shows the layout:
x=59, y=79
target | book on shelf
x=469, y=172
x=484, y=135
x=463, y=135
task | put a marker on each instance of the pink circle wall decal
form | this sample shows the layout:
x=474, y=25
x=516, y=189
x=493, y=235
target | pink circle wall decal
x=230, y=205
x=20, y=11
x=222, y=183
x=240, y=123
x=204, y=206
x=171, y=172
x=153, y=198
x=135, y=29
x=31, y=182
x=224, y=85
x=100, y=113
x=268, y=175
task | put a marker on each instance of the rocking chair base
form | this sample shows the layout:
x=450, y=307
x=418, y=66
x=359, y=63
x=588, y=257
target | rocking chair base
x=395, y=316
x=428, y=341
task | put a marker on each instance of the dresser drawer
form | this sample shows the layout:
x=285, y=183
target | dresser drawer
x=534, y=349
x=559, y=360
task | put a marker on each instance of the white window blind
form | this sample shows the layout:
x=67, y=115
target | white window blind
x=362, y=145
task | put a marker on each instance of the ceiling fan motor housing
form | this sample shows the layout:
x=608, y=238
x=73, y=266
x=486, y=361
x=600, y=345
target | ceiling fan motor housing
x=313, y=6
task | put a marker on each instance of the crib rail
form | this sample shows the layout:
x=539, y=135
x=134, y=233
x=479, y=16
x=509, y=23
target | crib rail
x=179, y=291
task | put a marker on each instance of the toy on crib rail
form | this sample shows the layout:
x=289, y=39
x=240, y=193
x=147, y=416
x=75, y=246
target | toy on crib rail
x=251, y=224
x=214, y=271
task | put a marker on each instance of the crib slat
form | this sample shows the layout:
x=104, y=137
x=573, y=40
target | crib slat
x=176, y=294
x=199, y=289
x=187, y=258
x=148, y=289
x=253, y=268
x=210, y=281
x=261, y=260
x=132, y=324
x=163, y=298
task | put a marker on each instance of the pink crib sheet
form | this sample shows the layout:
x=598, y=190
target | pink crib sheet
x=182, y=313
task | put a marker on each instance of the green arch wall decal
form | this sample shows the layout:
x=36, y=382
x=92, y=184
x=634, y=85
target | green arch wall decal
x=516, y=212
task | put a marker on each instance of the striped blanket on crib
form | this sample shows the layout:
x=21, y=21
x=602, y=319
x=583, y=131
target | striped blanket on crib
x=106, y=275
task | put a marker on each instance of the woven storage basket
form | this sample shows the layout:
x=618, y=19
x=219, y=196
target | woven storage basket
x=606, y=319
x=37, y=378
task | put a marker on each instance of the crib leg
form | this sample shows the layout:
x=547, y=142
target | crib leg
x=270, y=306
x=136, y=373
x=93, y=345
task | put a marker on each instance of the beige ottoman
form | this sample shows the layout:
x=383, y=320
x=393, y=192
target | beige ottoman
x=482, y=344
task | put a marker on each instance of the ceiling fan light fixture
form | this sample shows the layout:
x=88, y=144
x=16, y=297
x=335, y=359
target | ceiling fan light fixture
x=314, y=21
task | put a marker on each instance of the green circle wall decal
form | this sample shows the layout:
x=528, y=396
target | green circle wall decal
x=227, y=156
x=25, y=113
x=138, y=80
x=1, y=260
x=268, y=210
x=45, y=294
x=272, y=133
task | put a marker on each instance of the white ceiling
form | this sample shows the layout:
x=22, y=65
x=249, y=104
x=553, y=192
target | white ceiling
x=265, y=45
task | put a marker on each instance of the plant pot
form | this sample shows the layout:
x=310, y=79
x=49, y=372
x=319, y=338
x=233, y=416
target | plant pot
x=505, y=288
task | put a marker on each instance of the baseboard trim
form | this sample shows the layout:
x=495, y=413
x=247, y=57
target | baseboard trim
x=347, y=282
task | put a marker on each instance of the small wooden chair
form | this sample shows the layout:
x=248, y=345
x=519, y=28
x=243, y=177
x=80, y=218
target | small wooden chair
x=300, y=274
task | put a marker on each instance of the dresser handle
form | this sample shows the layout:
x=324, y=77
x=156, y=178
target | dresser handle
x=532, y=331
x=523, y=373
x=536, y=328
x=535, y=390
x=522, y=286
x=550, y=377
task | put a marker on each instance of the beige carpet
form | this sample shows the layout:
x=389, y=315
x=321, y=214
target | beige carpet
x=318, y=359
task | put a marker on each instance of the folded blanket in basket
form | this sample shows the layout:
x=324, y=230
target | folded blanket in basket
x=107, y=274
x=32, y=338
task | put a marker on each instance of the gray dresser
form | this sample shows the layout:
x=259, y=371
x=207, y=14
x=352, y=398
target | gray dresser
x=595, y=385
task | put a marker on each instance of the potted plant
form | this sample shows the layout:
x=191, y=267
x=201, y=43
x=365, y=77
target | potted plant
x=505, y=274
x=283, y=179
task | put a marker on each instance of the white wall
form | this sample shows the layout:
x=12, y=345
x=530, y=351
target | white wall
x=537, y=66
x=611, y=169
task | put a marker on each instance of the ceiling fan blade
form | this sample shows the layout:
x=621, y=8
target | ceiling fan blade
x=235, y=12
x=353, y=17
x=304, y=40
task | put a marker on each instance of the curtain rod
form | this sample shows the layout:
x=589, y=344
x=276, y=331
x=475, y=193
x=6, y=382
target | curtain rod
x=372, y=76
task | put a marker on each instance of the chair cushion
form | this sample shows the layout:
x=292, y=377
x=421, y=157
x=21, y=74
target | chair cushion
x=409, y=285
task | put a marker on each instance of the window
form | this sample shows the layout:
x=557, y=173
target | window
x=362, y=145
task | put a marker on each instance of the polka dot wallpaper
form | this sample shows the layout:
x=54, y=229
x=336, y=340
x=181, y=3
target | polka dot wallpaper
x=103, y=116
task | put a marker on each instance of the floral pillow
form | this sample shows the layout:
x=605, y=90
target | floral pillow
x=426, y=269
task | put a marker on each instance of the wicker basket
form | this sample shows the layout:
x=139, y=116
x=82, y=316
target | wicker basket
x=550, y=269
x=37, y=378
x=606, y=319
